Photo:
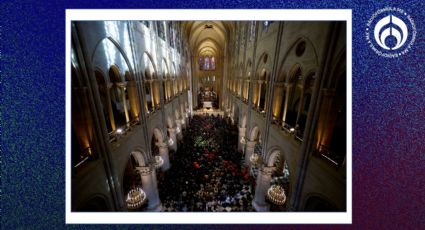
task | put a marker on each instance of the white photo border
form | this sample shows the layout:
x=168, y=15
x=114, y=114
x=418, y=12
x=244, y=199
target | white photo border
x=210, y=218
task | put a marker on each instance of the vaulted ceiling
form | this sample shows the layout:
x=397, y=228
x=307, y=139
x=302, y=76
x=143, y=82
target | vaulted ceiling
x=208, y=37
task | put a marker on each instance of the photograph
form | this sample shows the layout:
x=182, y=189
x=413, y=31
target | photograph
x=208, y=116
x=212, y=115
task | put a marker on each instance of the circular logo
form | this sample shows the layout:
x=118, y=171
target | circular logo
x=390, y=32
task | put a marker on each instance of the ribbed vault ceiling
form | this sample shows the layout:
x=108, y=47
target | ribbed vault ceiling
x=207, y=37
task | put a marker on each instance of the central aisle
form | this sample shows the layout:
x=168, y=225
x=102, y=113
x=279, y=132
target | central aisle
x=206, y=173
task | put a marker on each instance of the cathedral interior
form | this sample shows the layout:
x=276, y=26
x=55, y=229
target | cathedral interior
x=208, y=116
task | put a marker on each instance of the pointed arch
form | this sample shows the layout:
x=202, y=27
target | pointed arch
x=158, y=135
x=309, y=58
x=121, y=51
x=165, y=69
x=261, y=67
x=140, y=156
x=149, y=65
x=255, y=133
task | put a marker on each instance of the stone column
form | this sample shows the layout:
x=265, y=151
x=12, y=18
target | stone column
x=327, y=117
x=152, y=98
x=109, y=104
x=263, y=183
x=300, y=106
x=242, y=131
x=133, y=100
x=149, y=185
x=121, y=86
x=259, y=94
x=248, y=84
x=285, y=109
x=173, y=137
x=240, y=88
x=163, y=152
x=250, y=147
x=277, y=101
x=170, y=90
x=167, y=96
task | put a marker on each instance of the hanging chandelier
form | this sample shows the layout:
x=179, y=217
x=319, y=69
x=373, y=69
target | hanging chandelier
x=158, y=161
x=276, y=195
x=136, y=197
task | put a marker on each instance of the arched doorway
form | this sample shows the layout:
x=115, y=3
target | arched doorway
x=133, y=98
x=149, y=78
x=253, y=146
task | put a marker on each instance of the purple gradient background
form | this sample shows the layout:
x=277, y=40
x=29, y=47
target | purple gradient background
x=388, y=116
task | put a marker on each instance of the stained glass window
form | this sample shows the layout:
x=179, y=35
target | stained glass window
x=201, y=63
x=213, y=63
x=207, y=63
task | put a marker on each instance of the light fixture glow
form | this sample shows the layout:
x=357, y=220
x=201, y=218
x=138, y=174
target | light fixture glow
x=276, y=194
x=136, y=197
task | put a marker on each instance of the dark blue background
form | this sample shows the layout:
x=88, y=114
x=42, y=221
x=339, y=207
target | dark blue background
x=388, y=115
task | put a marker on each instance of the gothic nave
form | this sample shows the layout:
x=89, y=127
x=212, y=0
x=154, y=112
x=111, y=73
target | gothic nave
x=208, y=116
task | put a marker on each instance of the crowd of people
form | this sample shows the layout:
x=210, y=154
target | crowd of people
x=206, y=173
